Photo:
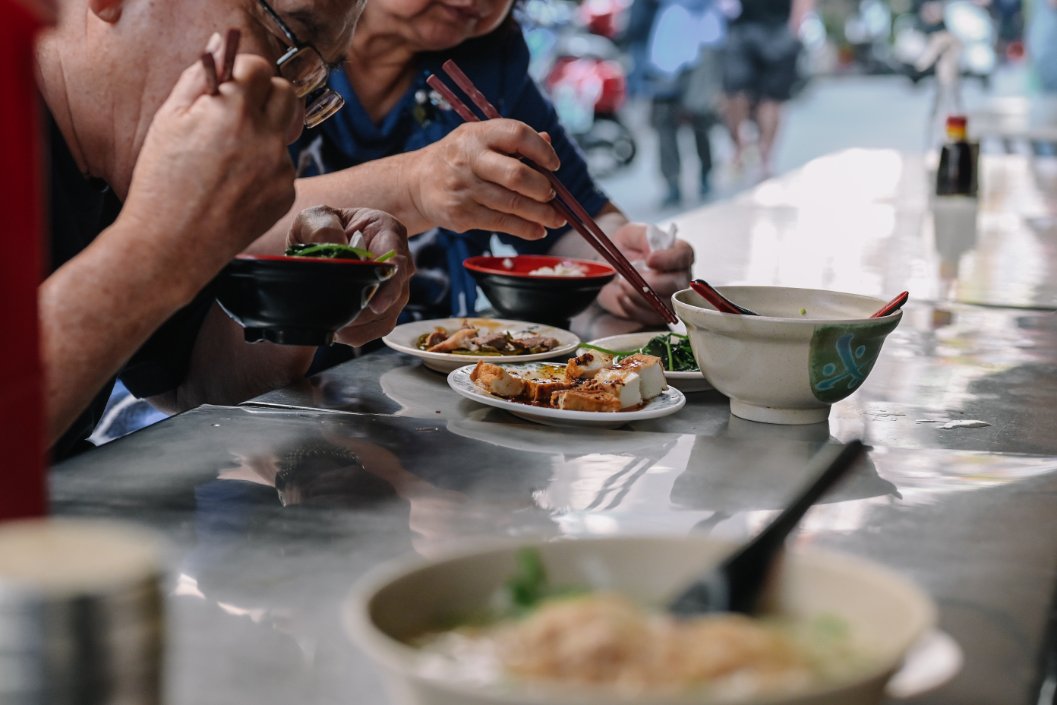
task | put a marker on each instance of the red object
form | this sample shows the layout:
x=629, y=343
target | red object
x=601, y=78
x=722, y=304
x=524, y=265
x=893, y=305
x=23, y=492
x=603, y=17
x=564, y=202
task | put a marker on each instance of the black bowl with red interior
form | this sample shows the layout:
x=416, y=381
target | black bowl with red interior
x=297, y=300
x=539, y=288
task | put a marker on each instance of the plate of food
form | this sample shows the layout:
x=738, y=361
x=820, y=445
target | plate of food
x=588, y=390
x=680, y=367
x=444, y=344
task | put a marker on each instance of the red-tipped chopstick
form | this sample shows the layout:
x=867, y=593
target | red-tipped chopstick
x=893, y=305
x=721, y=302
x=565, y=203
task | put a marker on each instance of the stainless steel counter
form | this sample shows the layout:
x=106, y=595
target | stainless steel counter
x=274, y=508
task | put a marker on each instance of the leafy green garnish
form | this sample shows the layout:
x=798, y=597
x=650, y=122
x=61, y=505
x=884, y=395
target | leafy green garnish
x=385, y=256
x=331, y=250
x=528, y=587
x=528, y=584
x=673, y=349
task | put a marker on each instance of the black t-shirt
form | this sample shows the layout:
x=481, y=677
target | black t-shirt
x=769, y=12
x=80, y=209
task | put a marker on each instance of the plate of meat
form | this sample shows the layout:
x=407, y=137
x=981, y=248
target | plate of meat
x=445, y=344
x=588, y=390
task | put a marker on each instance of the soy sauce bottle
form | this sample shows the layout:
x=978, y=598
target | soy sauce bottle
x=957, y=172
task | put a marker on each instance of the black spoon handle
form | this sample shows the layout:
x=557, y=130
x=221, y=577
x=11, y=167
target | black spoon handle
x=829, y=465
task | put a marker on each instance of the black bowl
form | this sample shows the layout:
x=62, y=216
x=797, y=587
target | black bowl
x=297, y=300
x=553, y=300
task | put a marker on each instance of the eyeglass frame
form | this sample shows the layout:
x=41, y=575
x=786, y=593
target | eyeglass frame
x=317, y=94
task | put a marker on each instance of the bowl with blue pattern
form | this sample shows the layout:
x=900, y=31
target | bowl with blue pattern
x=808, y=348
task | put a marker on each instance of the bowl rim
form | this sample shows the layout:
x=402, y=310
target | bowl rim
x=304, y=260
x=677, y=301
x=402, y=659
x=474, y=265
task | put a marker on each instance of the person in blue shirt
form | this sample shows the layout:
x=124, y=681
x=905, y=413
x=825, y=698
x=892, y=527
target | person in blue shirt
x=397, y=147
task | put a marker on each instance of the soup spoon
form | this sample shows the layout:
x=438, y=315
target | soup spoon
x=721, y=302
x=740, y=580
x=893, y=305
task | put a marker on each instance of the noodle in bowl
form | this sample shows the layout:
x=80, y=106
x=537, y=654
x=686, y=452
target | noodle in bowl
x=386, y=615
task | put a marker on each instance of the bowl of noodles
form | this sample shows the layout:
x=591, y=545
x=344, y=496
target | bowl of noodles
x=582, y=623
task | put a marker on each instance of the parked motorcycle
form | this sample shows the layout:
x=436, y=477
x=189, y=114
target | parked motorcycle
x=584, y=75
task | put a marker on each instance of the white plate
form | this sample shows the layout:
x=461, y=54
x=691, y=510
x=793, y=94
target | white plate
x=669, y=402
x=404, y=337
x=684, y=381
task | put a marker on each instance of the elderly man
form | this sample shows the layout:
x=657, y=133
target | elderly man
x=157, y=181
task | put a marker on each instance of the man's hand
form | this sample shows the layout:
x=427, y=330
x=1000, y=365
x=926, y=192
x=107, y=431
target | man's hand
x=214, y=173
x=472, y=180
x=381, y=233
x=667, y=272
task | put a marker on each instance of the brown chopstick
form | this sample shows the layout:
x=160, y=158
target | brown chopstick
x=231, y=50
x=227, y=70
x=565, y=203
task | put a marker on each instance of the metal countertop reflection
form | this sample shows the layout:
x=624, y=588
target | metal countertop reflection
x=274, y=512
x=861, y=221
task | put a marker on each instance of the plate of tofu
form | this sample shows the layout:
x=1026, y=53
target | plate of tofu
x=588, y=390
x=445, y=344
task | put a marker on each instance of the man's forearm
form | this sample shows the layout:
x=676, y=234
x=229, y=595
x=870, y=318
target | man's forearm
x=95, y=311
x=225, y=369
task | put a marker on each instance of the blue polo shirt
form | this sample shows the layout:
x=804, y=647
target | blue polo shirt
x=498, y=65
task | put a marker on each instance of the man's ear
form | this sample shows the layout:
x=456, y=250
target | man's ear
x=108, y=11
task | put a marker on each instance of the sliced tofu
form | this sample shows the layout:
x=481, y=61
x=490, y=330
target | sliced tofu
x=539, y=390
x=625, y=385
x=650, y=370
x=495, y=380
x=586, y=366
x=586, y=399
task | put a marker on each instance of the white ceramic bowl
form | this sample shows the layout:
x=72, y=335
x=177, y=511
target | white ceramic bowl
x=808, y=349
x=886, y=614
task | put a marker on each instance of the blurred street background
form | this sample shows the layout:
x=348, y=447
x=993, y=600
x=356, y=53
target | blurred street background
x=868, y=73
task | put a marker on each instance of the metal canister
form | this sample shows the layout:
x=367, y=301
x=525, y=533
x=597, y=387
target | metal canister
x=81, y=614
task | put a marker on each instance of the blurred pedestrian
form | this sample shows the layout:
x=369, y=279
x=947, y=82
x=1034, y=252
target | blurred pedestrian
x=1042, y=43
x=684, y=73
x=760, y=70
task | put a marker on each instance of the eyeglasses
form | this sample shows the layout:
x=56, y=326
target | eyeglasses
x=303, y=66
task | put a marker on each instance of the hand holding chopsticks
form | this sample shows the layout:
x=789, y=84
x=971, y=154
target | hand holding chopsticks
x=564, y=203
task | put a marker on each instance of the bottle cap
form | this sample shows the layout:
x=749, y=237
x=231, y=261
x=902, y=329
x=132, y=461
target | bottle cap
x=957, y=127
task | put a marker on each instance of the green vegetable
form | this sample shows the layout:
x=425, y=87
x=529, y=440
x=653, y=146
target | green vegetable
x=332, y=250
x=803, y=311
x=528, y=587
x=673, y=349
